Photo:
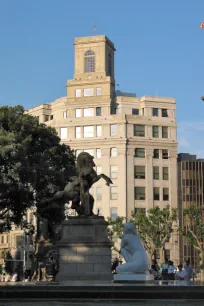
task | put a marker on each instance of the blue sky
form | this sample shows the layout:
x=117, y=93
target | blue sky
x=160, y=50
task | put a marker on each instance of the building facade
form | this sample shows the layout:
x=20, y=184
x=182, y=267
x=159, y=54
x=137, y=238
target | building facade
x=133, y=139
x=17, y=244
x=190, y=192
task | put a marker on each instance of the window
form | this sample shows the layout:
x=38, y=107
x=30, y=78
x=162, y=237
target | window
x=140, y=172
x=78, y=132
x=47, y=118
x=114, y=172
x=135, y=111
x=156, y=153
x=98, y=91
x=155, y=112
x=98, y=193
x=89, y=61
x=165, y=194
x=78, y=152
x=165, y=173
x=2, y=239
x=140, y=211
x=114, y=193
x=164, y=132
x=90, y=151
x=113, y=152
x=31, y=218
x=99, y=170
x=155, y=131
x=156, y=173
x=140, y=153
x=98, y=130
x=114, y=213
x=165, y=154
x=98, y=153
x=38, y=118
x=63, y=133
x=98, y=111
x=113, y=129
x=109, y=64
x=88, y=92
x=164, y=112
x=139, y=130
x=88, y=131
x=88, y=112
x=139, y=193
x=65, y=114
x=78, y=112
x=142, y=111
x=78, y=93
x=18, y=241
x=156, y=193
x=51, y=117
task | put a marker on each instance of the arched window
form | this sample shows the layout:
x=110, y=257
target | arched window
x=109, y=64
x=89, y=61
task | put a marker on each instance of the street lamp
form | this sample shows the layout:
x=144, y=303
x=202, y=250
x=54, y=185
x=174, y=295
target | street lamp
x=202, y=98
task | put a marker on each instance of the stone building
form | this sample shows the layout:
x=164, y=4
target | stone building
x=190, y=192
x=133, y=139
x=18, y=244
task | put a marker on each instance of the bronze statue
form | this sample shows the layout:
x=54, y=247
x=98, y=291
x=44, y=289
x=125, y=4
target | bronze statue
x=78, y=190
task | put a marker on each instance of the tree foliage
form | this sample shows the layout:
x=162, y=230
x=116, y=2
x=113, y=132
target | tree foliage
x=33, y=166
x=193, y=230
x=154, y=229
x=115, y=230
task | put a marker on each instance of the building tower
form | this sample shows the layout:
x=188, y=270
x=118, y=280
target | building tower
x=133, y=139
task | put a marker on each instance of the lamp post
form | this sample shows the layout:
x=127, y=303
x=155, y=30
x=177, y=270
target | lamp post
x=202, y=98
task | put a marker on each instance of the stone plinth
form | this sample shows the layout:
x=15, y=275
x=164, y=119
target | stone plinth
x=133, y=277
x=85, y=250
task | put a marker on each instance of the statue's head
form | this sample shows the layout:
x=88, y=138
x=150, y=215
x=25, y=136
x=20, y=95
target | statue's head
x=84, y=159
x=129, y=228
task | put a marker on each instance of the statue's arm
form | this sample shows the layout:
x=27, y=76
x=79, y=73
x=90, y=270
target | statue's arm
x=124, y=242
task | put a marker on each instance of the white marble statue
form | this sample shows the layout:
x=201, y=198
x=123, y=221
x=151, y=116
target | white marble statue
x=133, y=252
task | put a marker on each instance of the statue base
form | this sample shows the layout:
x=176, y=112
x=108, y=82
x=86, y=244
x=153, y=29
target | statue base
x=85, y=250
x=133, y=277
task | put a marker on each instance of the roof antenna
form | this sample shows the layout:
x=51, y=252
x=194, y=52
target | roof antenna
x=94, y=28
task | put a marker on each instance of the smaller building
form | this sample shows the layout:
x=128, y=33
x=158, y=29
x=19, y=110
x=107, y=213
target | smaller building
x=190, y=192
x=17, y=244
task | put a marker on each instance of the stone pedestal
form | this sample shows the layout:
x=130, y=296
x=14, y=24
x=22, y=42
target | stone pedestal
x=85, y=250
x=133, y=277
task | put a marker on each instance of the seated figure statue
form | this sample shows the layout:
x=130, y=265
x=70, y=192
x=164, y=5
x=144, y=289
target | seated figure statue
x=133, y=252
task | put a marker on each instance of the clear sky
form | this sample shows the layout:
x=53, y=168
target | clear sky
x=160, y=51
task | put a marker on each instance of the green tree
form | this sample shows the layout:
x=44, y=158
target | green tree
x=154, y=229
x=193, y=230
x=33, y=166
x=115, y=231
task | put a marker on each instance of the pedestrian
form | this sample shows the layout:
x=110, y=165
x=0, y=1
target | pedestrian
x=171, y=270
x=114, y=265
x=189, y=269
x=165, y=266
x=181, y=274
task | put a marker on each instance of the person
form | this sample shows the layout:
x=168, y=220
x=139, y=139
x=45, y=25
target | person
x=189, y=269
x=165, y=269
x=29, y=270
x=14, y=277
x=51, y=269
x=181, y=274
x=155, y=269
x=114, y=265
x=171, y=270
